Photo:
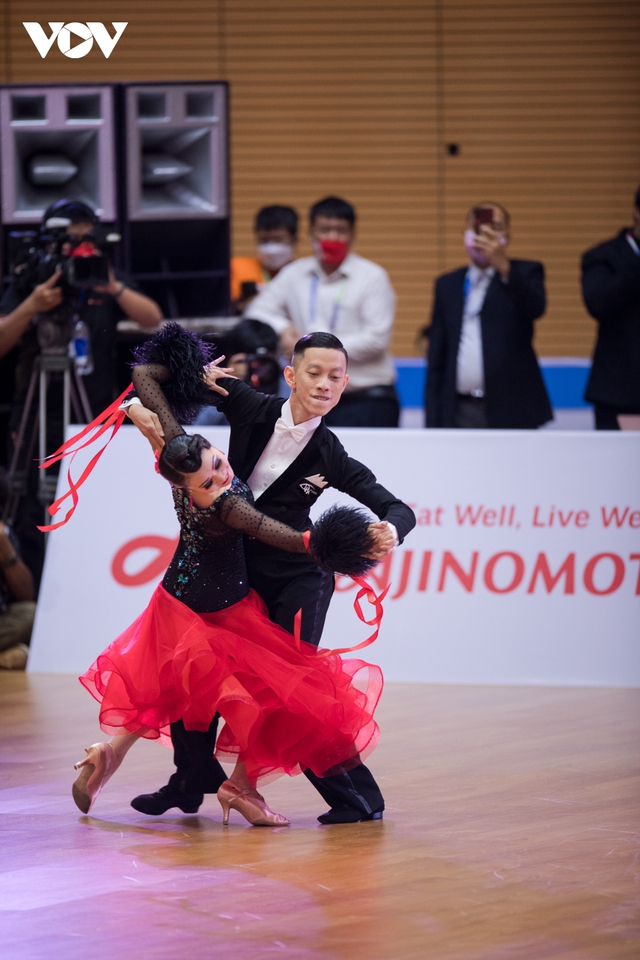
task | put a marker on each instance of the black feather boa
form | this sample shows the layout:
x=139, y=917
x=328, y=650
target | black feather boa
x=340, y=539
x=185, y=355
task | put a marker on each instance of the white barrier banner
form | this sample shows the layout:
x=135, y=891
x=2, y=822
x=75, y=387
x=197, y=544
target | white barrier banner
x=524, y=566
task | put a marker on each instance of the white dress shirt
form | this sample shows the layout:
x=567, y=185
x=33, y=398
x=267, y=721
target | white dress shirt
x=284, y=445
x=470, y=362
x=356, y=302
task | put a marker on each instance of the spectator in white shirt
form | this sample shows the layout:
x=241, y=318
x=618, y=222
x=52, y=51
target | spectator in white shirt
x=337, y=291
x=482, y=370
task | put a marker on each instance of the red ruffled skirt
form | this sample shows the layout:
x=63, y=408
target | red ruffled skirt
x=286, y=706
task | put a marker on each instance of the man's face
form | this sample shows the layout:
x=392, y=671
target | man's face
x=332, y=228
x=317, y=381
x=79, y=230
x=275, y=235
x=498, y=223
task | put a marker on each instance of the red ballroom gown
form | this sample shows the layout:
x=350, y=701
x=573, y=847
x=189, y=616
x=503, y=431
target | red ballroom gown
x=205, y=644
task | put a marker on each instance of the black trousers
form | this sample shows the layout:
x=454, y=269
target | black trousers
x=607, y=417
x=471, y=412
x=272, y=573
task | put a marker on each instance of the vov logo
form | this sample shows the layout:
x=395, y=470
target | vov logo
x=85, y=33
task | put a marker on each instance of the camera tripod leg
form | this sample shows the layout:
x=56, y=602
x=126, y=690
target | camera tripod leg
x=11, y=506
x=85, y=410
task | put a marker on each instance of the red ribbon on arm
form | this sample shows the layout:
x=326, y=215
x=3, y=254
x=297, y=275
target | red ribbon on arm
x=112, y=418
x=366, y=590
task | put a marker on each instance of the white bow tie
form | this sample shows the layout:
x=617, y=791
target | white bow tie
x=298, y=432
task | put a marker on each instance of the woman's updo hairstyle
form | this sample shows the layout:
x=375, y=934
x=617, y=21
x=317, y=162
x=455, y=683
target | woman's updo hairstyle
x=182, y=455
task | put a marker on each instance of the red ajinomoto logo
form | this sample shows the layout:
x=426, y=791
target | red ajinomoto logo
x=501, y=573
x=165, y=547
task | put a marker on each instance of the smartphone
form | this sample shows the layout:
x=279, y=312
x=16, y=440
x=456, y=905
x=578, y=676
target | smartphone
x=481, y=217
x=248, y=289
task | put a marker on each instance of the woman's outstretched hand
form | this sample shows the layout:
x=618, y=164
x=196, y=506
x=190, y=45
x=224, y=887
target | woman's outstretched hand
x=148, y=423
x=214, y=372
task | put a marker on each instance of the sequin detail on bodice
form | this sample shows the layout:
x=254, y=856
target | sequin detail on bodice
x=208, y=570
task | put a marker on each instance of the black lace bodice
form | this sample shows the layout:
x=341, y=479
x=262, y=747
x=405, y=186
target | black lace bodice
x=208, y=570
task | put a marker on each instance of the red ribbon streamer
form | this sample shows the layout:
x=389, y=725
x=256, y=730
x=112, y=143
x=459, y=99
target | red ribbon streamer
x=111, y=417
x=366, y=590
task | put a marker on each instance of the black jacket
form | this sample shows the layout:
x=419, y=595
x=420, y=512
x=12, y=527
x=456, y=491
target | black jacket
x=611, y=291
x=253, y=416
x=515, y=394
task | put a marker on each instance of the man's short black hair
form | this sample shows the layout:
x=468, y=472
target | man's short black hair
x=271, y=218
x=325, y=341
x=638, y=198
x=73, y=210
x=333, y=207
x=492, y=203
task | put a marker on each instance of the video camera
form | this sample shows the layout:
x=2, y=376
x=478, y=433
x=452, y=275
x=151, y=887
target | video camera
x=253, y=346
x=34, y=256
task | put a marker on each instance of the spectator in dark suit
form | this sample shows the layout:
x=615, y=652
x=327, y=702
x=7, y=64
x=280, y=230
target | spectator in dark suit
x=483, y=371
x=611, y=291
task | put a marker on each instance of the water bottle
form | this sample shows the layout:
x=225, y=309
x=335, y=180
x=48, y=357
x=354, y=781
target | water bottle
x=82, y=348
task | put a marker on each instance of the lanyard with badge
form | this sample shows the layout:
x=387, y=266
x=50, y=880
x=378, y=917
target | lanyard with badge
x=632, y=243
x=313, y=302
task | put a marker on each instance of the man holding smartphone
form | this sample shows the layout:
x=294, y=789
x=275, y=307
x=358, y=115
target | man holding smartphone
x=483, y=372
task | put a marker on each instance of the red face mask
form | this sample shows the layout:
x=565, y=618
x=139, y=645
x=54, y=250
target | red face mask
x=333, y=252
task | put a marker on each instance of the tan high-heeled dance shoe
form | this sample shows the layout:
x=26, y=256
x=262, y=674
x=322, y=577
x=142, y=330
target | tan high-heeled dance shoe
x=255, y=811
x=100, y=763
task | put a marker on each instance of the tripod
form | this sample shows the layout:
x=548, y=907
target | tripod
x=48, y=364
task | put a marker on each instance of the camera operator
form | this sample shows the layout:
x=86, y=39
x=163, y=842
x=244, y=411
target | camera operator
x=100, y=308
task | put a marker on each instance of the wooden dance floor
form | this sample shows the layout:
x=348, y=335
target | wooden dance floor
x=511, y=833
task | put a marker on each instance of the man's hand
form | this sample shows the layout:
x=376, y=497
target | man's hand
x=148, y=424
x=384, y=540
x=46, y=295
x=214, y=372
x=491, y=245
x=288, y=339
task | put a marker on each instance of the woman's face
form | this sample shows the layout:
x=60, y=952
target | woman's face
x=214, y=476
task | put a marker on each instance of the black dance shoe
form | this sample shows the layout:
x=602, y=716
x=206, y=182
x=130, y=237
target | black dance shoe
x=348, y=815
x=155, y=804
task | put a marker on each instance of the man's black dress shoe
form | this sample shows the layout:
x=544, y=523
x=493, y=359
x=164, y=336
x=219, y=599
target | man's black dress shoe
x=348, y=815
x=155, y=804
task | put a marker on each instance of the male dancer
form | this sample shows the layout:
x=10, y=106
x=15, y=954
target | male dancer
x=287, y=456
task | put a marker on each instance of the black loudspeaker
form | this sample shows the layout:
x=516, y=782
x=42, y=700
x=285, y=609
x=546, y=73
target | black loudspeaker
x=57, y=141
x=175, y=212
x=176, y=151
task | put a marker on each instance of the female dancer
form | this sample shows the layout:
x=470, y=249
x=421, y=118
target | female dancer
x=205, y=645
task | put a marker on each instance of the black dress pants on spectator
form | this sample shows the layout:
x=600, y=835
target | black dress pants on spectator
x=607, y=417
x=374, y=407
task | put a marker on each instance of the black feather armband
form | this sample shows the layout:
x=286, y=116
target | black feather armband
x=185, y=354
x=340, y=540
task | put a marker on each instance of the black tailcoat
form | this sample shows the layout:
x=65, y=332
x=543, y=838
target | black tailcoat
x=290, y=582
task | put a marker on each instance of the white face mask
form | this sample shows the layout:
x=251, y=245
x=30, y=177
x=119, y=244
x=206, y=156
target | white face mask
x=274, y=256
